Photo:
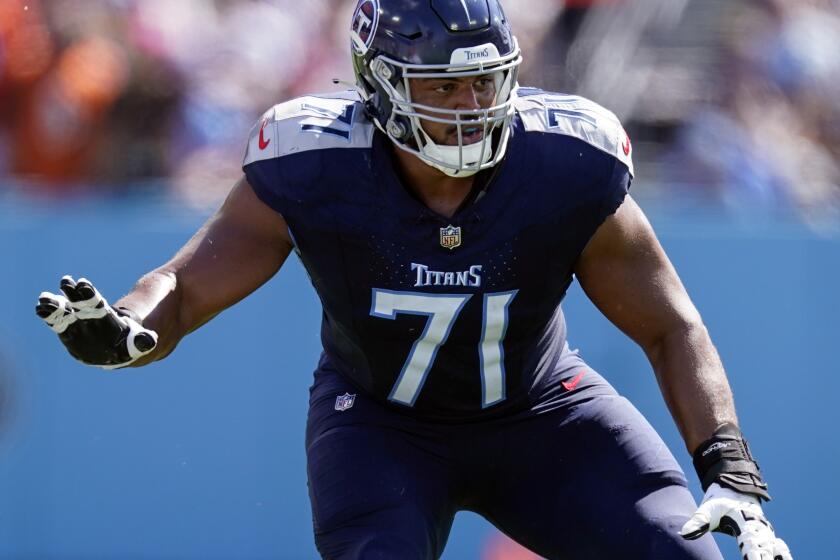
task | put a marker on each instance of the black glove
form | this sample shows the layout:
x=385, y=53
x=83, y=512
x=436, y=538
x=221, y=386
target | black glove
x=94, y=332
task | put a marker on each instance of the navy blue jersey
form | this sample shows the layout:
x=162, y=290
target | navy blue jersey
x=447, y=318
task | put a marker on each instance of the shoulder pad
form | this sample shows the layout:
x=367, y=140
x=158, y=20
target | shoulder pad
x=311, y=122
x=572, y=115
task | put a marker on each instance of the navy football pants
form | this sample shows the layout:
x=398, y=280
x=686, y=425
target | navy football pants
x=592, y=481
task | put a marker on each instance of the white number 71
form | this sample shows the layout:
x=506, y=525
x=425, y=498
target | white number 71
x=442, y=311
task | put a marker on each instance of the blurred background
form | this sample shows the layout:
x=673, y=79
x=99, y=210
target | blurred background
x=123, y=125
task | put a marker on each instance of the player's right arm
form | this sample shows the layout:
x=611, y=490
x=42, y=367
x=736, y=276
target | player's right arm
x=237, y=250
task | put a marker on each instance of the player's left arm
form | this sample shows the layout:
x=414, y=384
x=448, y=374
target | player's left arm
x=628, y=276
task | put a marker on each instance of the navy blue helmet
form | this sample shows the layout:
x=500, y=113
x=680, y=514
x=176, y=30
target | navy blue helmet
x=393, y=41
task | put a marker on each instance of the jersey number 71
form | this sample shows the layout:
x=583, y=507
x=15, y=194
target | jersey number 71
x=442, y=311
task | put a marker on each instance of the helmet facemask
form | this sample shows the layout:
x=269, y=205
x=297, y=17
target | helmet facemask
x=404, y=124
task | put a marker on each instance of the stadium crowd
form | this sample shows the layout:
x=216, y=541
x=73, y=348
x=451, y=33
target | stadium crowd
x=732, y=103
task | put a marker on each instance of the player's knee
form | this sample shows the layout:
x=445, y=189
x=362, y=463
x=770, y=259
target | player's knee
x=391, y=547
x=383, y=546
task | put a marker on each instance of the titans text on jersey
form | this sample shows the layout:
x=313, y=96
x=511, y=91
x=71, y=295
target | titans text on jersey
x=427, y=277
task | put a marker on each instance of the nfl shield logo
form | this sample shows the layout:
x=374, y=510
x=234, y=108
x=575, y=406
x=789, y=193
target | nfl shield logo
x=450, y=237
x=345, y=401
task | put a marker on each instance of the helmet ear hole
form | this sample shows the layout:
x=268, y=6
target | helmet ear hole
x=384, y=71
x=397, y=129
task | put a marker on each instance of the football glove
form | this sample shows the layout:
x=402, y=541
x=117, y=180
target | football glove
x=94, y=332
x=726, y=511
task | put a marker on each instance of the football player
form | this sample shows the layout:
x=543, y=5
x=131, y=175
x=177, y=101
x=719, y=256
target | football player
x=442, y=212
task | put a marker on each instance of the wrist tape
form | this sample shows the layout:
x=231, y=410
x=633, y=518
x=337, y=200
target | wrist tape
x=725, y=458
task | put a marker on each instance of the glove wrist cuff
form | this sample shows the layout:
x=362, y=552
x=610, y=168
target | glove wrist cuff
x=725, y=458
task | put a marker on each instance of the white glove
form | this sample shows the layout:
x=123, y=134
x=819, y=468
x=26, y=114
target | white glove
x=740, y=515
x=92, y=331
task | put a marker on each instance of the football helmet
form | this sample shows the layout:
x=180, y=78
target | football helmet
x=393, y=41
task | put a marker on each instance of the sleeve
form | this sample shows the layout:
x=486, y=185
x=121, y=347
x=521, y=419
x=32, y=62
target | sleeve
x=601, y=184
x=586, y=154
x=617, y=188
x=577, y=117
x=263, y=176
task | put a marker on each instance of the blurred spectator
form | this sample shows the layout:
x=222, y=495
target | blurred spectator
x=771, y=139
x=104, y=92
x=80, y=103
x=734, y=102
x=731, y=101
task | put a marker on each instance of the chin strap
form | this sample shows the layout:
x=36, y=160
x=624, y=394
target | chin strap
x=469, y=154
x=725, y=458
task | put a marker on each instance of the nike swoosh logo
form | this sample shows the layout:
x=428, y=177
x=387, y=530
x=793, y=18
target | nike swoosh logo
x=626, y=144
x=571, y=385
x=263, y=142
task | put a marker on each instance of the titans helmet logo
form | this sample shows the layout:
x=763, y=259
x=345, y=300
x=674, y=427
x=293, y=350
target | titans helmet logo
x=363, y=28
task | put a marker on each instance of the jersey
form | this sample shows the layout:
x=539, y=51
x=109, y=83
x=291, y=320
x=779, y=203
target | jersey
x=450, y=318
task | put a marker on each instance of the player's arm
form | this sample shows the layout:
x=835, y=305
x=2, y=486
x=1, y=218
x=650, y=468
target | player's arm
x=627, y=275
x=238, y=249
